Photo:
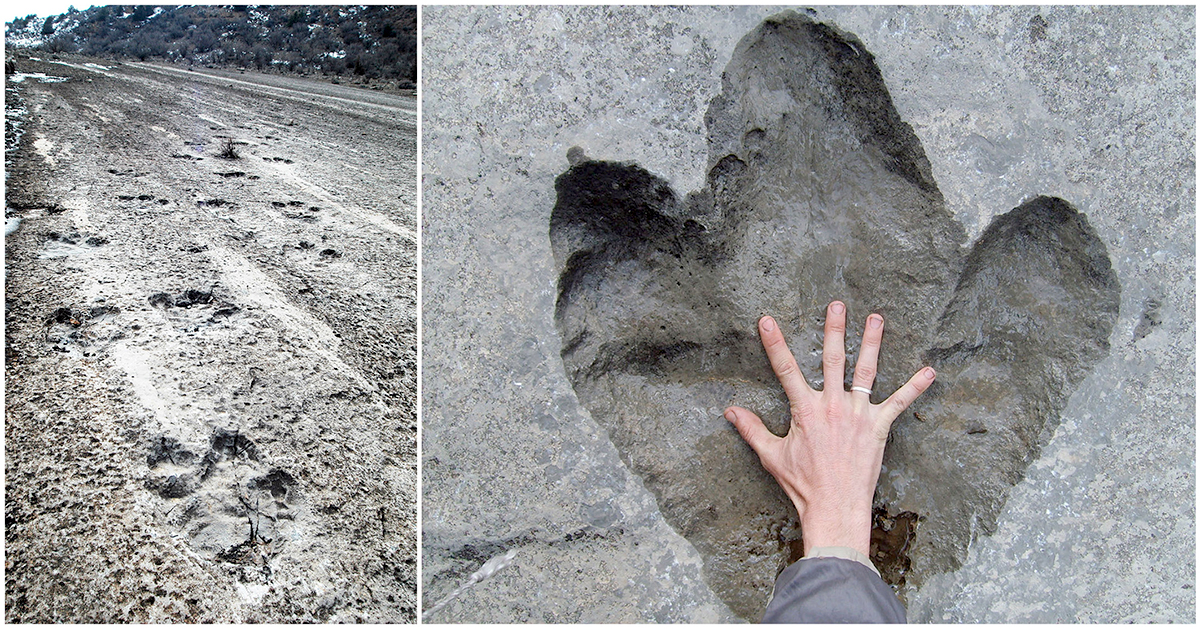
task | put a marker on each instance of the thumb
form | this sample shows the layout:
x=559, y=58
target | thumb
x=752, y=430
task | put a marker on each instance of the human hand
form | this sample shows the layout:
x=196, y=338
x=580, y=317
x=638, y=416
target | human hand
x=828, y=464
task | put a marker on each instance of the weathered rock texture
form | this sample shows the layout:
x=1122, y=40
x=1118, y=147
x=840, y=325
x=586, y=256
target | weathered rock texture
x=1022, y=112
x=818, y=191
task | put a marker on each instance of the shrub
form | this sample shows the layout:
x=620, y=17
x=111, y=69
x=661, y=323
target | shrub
x=228, y=150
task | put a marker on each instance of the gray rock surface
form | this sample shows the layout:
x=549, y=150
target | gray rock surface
x=1094, y=106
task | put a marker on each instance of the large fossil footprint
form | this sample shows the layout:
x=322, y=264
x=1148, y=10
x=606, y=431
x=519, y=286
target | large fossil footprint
x=817, y=191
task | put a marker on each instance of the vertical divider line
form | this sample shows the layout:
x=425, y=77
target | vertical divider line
x=420, y=532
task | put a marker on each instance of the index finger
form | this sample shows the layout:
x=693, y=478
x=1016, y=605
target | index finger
x=782, y=361
x=907, y=394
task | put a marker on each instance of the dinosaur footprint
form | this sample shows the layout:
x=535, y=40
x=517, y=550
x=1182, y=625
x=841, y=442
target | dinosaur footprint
x=817, y=190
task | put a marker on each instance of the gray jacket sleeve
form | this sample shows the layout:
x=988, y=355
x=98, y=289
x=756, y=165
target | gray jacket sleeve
x=832, y=590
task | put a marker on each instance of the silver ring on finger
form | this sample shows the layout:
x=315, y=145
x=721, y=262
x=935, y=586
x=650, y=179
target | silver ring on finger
x=861, y=390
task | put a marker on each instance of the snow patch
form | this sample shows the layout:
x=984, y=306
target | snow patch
x=41, y=78
x=363, y=214
x=210, y=120
x=43, y=146
x=134, y=363
x=252, y=285
x=79, y=217
x=59, y=249
x=253, y=593
x=83, y=67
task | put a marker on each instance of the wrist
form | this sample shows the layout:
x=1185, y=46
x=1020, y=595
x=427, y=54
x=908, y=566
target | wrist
x=842, y=552
x=824, y=529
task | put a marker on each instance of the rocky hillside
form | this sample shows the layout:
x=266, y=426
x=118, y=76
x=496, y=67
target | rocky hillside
x=361, y=42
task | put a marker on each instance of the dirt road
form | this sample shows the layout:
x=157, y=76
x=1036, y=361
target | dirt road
x=210, y=363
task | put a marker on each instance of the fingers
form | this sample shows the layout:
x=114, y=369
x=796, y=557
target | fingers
x=907, y=394
x=868, y=356
x=834, y=354
x=752, y=430
x=782, y=361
